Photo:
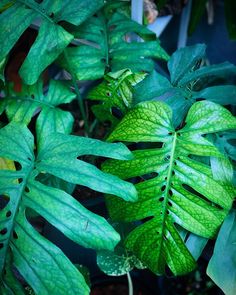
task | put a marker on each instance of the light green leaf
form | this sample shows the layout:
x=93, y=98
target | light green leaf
x=2, y=69
x=120, y=261
x=173, y=187
x=222, y=266
x=52, y=38
x=20, y=191
x=116, y=91
x=108, y=48
x=22, y=106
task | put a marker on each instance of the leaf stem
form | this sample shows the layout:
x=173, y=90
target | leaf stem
x=130, y=284
x=80, y=101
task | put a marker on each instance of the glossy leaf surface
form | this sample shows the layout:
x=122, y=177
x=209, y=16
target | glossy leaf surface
x=174, y=187
x=52, y=38
x=42, y=264
x=22, y=106
x=116, y=91
x=108, y=47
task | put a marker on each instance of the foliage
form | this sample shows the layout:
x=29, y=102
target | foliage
x=222, y=268
x=182, y=190
x=166, y=198
x=115, y=92
x=120, y=261
x=52, y=38
x=32, y=254
x=111, y=50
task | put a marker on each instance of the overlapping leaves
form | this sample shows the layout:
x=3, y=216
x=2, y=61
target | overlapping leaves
x=175, y=190
x=189, y=81
x=52, y=38
x=21, y=106
x=115, y=92
x=41, y=263
x=108, y=47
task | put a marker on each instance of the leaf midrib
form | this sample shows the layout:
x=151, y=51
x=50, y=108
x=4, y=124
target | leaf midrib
x=18, y=202
x=168, y=185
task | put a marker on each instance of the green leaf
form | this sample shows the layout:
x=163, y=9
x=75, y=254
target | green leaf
x=115, y=91
x=22, y=106
x=107, y=48
x=52, y=38
x=220, y=70
x=184, y=60
x=220, y=94
x=120, y=261
x=2, y=69
x=230, y=7
x=222, y=268
x=173, y=188
x=33, y=255
x=197, y=11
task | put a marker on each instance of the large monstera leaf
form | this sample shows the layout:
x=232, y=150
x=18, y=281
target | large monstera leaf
x=107, y=48
x=52, y=38
x=21, y=106
x=114, y=92
x=42, y=264
x=175, y=190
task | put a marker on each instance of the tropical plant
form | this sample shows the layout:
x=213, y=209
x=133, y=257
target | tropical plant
x=168, y=187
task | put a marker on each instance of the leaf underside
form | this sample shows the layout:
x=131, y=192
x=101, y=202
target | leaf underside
x=173, y=188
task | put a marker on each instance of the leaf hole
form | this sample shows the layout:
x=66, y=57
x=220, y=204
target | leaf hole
x=14, y=234
x=163, y=188
x=170, y=193
x=20, y=180
x=27, y=190
x=51, y=15
x=161, y=199
x=4, y=200
x=170, y=204
x=8, y=214
x=170, y=133
x=1, y=245
x=32, y=96
x=173, y=173
x=3, y=231
x=17, y=166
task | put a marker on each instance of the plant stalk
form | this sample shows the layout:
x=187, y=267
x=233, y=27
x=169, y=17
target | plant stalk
x=130, y=284
x=80, y=101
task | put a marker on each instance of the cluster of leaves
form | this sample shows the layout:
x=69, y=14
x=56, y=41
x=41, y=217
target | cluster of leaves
x=182, y=182
x=167, y=197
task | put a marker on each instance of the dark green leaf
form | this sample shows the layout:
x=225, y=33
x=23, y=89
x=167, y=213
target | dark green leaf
x=184, y=61
x=52, y=38
x=220, y=94
x=197, y=11
x=220, y=70
x=108, y=47
x=230, y=8
x=222, y=266
x=22, y=106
